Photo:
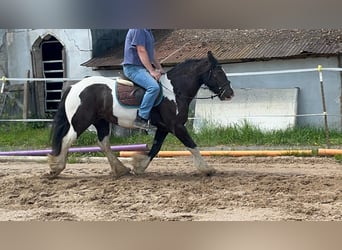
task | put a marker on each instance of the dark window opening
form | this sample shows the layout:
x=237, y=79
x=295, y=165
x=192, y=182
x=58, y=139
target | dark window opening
x=52, y=60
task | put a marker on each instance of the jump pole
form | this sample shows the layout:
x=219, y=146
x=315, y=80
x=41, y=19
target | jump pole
x=329, y=152
x=236, y=153
x=240, y=153
x=42, y=152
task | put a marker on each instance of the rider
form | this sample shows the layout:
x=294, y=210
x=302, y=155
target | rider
x=141, y=66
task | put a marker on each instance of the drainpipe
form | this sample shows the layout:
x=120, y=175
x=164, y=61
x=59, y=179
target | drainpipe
x=339, y=61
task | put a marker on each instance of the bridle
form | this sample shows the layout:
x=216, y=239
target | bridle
x=221, y=92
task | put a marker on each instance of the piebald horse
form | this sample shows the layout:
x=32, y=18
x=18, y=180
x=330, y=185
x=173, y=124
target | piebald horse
x=93, y=101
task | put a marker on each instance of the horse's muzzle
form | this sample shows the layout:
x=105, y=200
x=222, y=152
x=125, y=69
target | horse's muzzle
x=226, y=95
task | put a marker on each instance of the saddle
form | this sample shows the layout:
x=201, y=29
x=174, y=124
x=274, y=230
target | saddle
x=130, y=94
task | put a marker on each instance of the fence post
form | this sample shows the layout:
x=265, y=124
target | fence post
x=325, y=115
x=25, y=97
x=3, y=80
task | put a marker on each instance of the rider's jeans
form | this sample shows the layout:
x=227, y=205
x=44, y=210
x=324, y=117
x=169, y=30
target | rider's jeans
x=142, y=77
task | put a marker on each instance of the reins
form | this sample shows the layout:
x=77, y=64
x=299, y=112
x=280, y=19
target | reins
x=189, y=97
x=222, y=90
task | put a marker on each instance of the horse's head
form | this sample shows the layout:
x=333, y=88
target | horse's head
x=216, y=79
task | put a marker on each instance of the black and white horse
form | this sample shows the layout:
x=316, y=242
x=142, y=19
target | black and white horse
x=92, y=101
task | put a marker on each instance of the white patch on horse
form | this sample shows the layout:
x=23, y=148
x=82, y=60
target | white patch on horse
x=125, y=116
x=168, y=90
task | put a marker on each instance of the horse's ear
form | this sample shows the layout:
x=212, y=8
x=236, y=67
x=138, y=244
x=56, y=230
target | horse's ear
x=212, y=59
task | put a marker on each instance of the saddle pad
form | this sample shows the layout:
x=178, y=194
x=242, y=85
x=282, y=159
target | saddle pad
x=129, y=95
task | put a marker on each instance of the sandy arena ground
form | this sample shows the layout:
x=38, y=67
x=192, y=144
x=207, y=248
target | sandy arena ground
x=243, y=189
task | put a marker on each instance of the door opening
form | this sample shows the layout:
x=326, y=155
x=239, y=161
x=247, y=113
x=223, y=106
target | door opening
x=53, y=67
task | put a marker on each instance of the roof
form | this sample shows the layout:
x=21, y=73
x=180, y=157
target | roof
x=174, y=46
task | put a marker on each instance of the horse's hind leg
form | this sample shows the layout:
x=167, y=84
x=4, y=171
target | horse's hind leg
x=103, y=133
x=57, y=163
x=118, y=169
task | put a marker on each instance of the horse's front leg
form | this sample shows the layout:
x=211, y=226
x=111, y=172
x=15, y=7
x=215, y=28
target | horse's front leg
x=141, y=161
x=183, y=135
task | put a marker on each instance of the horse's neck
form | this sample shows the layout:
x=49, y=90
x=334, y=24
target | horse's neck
x=169, y=89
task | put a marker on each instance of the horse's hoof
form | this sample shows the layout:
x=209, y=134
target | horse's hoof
x=138, y=171
x=125, y=171
x=51, y=175
x=140, y=163
x=209, y=172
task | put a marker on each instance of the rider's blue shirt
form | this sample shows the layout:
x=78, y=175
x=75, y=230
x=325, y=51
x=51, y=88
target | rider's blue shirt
x=136, y=37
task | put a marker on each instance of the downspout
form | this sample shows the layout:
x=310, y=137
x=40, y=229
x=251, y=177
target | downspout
x=339, y=61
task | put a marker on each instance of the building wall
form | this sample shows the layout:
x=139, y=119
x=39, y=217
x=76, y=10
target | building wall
x=309, y=99
x=77, y=43
x=265, y=108
x=3, y=54
x=16, y=60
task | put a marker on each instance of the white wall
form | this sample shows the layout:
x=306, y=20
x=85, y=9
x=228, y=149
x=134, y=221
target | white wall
x=77, y=43
x=266, y=109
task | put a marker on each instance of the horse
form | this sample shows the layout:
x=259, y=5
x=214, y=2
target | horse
x=93, y=101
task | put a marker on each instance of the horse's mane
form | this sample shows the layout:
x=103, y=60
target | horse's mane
x=183, y=67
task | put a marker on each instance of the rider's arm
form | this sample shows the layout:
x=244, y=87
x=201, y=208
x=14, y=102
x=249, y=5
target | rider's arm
x=157, y=64
x=146, y=62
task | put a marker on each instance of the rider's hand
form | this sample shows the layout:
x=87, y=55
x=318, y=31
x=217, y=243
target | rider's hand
x=156, y=74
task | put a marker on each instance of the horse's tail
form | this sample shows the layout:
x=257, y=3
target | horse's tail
x=60, y=125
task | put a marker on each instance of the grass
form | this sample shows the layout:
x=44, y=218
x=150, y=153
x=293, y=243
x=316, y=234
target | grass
x=247, y=135
x=338, y=158
x=16, y=136
x=23, y=136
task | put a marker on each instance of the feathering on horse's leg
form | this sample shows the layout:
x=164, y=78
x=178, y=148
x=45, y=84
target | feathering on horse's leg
x=200, y=163
x=183, y=135
x=118, y=169
x=57, y=163
x=142, y=161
